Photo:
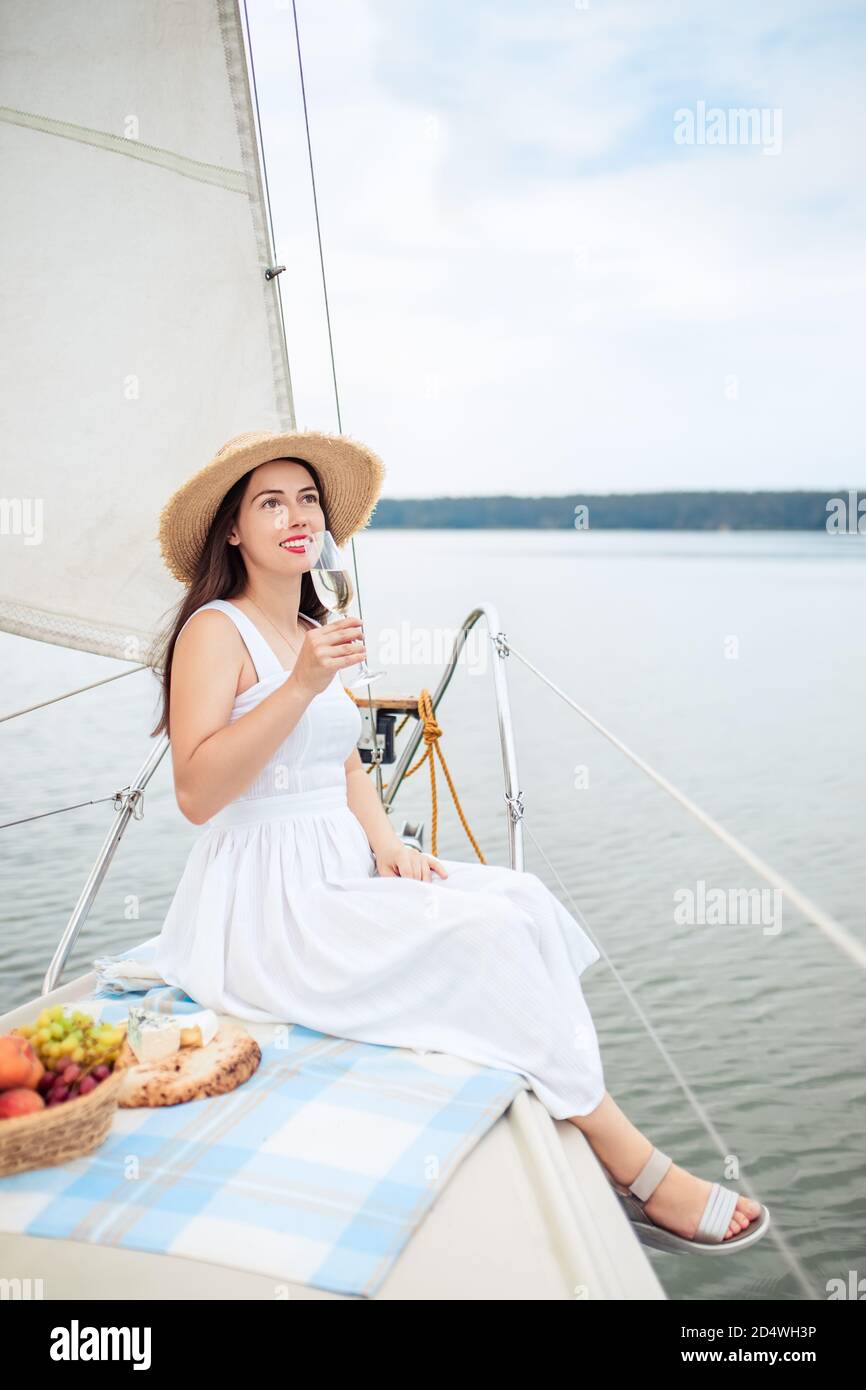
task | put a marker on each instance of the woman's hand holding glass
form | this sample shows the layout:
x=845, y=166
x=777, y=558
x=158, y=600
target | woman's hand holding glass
x=326, y=650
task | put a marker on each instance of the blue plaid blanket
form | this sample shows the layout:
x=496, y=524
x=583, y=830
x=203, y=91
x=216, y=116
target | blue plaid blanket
x=317, y=1170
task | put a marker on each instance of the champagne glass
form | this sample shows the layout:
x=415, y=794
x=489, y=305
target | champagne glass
x=332, y=582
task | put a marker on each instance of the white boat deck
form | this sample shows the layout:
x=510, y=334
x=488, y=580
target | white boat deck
x=528, y=1214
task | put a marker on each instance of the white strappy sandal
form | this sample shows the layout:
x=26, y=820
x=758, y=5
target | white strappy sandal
x=709, y=1239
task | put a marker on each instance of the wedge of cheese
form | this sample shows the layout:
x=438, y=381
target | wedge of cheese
x=154, y=1036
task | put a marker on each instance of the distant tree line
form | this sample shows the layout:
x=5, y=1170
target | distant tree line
x=645, y=511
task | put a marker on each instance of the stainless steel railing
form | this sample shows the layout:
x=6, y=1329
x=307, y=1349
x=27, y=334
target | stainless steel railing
x=513, y=796
x=129, y=802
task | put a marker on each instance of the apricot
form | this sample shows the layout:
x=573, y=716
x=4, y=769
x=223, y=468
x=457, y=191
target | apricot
x=17, y=1060
x=19, y=1101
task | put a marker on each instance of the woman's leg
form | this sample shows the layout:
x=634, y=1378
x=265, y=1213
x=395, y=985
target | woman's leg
x=679, y=1200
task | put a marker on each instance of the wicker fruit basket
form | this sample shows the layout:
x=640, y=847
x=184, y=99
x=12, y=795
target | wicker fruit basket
x=59, y=1133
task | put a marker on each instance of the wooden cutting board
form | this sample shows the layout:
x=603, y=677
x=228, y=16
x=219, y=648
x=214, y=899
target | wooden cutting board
x=192, y=1073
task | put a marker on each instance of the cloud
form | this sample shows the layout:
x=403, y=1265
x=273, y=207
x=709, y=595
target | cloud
x=532, y=286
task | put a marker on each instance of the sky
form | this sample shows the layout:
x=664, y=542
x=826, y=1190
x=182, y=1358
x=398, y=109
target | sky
x=557, y=258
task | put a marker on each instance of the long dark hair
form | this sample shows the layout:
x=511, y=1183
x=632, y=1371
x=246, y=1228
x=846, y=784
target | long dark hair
x=221, y=573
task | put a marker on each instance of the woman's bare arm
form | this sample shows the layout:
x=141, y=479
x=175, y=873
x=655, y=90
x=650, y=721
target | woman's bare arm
x=364, y=802
x=215, y=761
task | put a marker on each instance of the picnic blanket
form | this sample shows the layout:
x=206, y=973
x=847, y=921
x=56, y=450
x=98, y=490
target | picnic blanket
x=317, y=1170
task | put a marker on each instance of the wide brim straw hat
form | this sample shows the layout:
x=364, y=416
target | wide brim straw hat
x=351, y=476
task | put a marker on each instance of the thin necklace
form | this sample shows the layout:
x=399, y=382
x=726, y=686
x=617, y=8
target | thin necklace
x=274, y=626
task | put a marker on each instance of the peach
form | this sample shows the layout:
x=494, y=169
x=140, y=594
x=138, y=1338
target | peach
x=19, y=1101
x=17, y=1060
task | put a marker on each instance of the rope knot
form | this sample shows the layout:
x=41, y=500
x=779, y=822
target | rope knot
x=432, y=730
x=431, y=733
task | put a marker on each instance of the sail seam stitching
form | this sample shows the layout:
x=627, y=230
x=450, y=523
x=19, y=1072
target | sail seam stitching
x=232, y=179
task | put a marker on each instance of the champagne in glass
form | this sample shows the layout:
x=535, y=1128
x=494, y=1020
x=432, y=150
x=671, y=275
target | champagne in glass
x=333, y=585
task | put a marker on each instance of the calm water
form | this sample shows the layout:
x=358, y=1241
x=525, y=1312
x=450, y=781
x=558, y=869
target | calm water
x=735, y=665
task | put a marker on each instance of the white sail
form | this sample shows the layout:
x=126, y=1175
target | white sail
x=140, y=331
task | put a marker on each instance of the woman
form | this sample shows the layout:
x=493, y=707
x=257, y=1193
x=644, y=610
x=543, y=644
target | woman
x=299, y=903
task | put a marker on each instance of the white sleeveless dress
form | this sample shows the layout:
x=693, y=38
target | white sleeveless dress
x=281, y=916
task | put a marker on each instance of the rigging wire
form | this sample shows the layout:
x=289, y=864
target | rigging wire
x=58, y=810
x=374, y=744
x=328, y=322
x=28, y=709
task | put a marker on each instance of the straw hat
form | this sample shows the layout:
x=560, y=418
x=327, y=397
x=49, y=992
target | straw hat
x=351, y=476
